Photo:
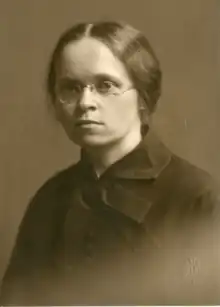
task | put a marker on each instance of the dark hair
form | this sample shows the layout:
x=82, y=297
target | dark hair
x=128, y=44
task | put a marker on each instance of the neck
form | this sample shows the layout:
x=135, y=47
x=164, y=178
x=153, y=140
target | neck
x=104, y=156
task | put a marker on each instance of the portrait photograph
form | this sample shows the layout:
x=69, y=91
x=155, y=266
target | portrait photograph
x=110, y=153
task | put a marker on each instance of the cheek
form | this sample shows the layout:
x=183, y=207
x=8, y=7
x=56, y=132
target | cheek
x=123, y=111
x=65, y=115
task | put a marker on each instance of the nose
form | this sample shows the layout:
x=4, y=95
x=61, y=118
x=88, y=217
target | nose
x=87, y=101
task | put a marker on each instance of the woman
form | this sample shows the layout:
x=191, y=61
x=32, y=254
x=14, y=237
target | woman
x=130, y=223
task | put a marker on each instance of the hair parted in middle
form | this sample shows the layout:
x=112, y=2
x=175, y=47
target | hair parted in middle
x=129, y=45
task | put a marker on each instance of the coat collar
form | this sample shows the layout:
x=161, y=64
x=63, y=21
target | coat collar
x=146, y=161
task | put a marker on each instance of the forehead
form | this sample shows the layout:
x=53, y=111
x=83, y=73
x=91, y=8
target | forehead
x=88, y=57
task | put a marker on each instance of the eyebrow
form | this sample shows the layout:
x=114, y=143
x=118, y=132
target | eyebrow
x=99, y=76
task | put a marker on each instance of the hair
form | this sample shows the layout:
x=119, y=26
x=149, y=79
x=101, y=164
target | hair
x=128, y=44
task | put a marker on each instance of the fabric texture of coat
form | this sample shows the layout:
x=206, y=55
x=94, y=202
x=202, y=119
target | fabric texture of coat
x=144, y=233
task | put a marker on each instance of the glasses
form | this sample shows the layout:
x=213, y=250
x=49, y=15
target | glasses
x=71, y=92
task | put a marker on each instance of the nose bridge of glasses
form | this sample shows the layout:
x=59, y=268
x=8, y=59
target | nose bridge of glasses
x=86, y=97
x=90, y=86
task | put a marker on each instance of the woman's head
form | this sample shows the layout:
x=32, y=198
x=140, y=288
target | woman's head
x=84, y=56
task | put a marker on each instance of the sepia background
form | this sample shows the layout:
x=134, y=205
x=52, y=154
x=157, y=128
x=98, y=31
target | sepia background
x=185, y=35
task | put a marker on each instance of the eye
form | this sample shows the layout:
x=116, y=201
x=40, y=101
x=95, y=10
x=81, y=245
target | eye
x=73, y=87
x=69, y=90
x=106, y=87
x=70, y=87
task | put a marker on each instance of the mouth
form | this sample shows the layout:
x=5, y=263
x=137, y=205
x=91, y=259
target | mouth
x=86, y=122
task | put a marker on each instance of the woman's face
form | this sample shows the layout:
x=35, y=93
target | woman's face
x=101, y=116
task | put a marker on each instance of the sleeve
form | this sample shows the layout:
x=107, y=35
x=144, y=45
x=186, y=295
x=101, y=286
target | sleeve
x=17, y=275
x=201, y=253
x=207, y=236
x=38, y=238
x=33, y=248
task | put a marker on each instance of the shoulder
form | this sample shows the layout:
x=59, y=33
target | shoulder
x=182, y=174
x=58, y=184
x=50, y=200
x=190, y=188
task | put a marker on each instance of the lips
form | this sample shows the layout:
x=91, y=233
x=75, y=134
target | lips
x=82, y=122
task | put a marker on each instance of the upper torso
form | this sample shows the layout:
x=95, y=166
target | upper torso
x=132, y=236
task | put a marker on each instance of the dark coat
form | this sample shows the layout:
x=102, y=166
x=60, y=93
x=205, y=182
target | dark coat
x=145, y=232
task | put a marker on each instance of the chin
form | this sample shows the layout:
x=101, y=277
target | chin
x=90, y=141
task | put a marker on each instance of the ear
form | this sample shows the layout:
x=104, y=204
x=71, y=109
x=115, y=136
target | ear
x=141, y=103
x=143, y=111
